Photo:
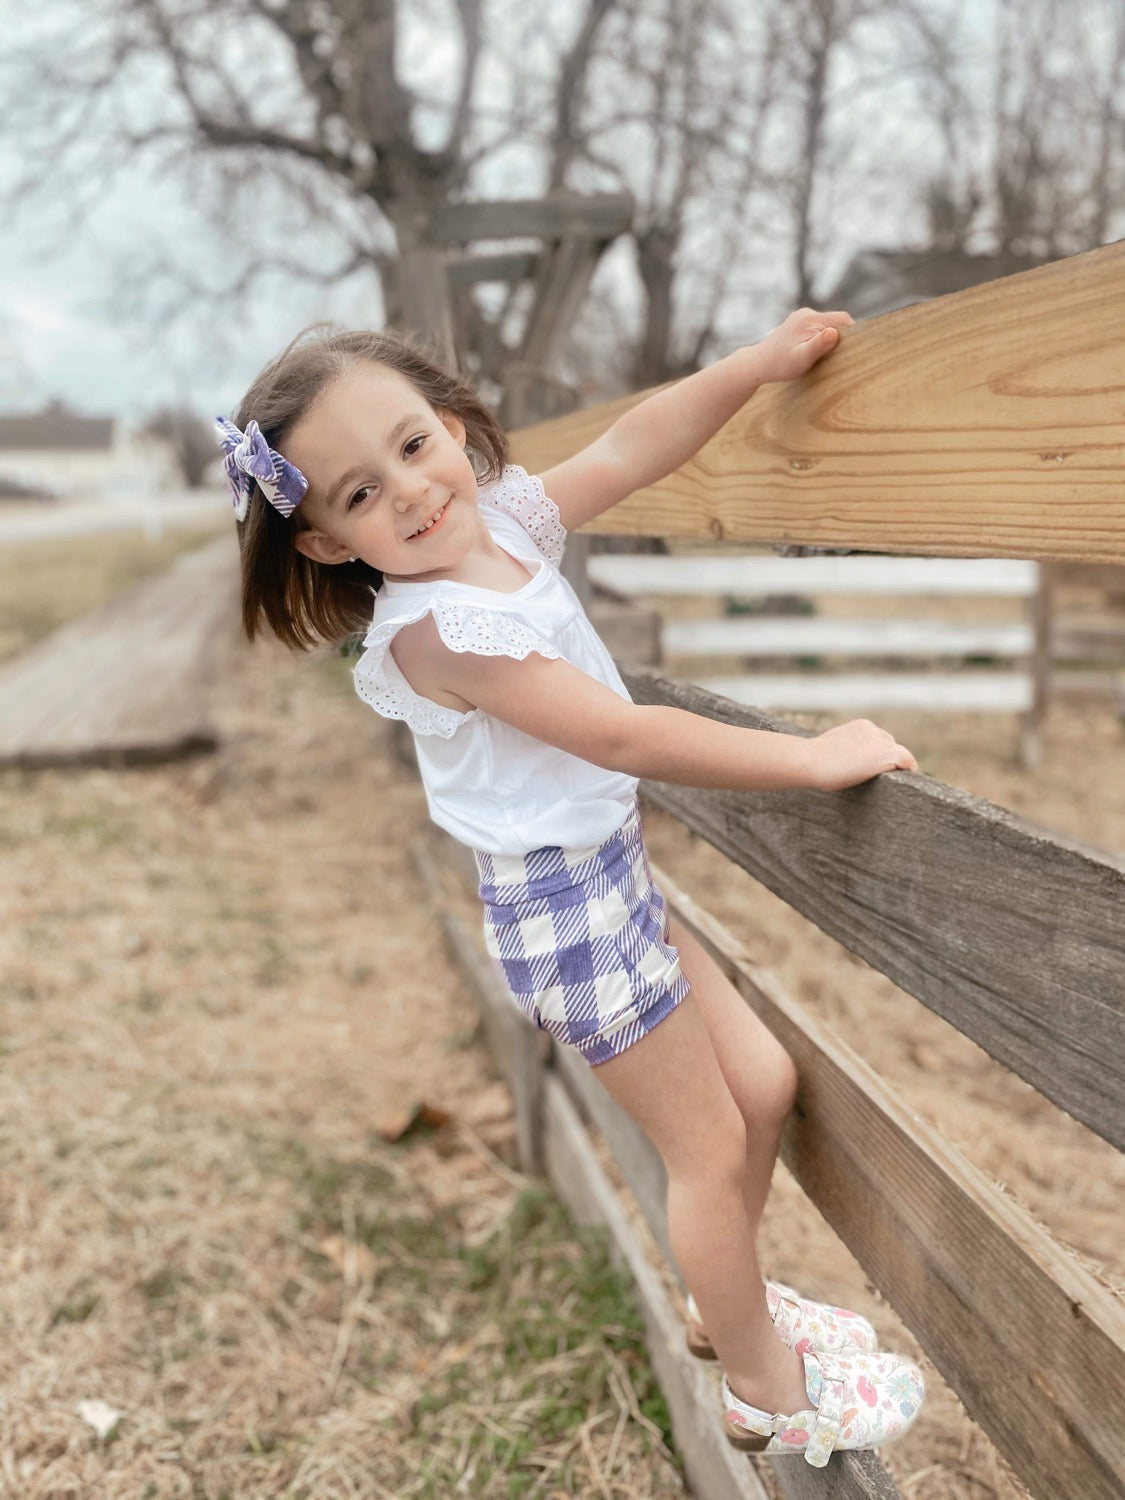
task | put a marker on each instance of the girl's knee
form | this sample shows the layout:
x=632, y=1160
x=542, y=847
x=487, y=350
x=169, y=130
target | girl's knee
x=786, y=1081
x=715, y=1150
x=772, y=1091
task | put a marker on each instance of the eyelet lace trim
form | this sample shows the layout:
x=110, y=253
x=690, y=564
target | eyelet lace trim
x=521, y=495
x=481, y=629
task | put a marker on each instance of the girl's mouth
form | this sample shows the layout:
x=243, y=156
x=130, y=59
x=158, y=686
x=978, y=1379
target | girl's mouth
x=431, y=523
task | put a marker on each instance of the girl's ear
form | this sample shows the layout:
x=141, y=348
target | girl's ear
x=321, y=547
x=454, y=426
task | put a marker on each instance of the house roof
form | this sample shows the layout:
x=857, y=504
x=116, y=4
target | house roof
x=878, y=281
x=56, y=427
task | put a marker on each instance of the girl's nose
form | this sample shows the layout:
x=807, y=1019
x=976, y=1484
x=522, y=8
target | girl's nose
x=411, y=494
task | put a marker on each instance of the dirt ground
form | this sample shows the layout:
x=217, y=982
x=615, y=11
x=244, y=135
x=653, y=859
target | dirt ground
x=220, y=986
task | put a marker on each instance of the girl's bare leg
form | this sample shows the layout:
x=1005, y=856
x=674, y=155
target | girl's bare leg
x=758, y=1071
x=671, y=1083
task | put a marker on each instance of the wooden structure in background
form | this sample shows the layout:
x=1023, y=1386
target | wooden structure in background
x=127, y=684
x=1023, y=689
x=436, y=282
x=994, y=416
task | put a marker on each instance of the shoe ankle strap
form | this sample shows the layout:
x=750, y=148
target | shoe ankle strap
x=750, y=1417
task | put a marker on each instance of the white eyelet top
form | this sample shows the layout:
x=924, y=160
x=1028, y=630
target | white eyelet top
x=491, y=786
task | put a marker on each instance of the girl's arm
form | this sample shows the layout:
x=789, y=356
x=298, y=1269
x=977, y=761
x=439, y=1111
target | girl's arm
x=664, y=431
x=563, y=706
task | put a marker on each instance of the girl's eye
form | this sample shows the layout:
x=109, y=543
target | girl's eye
x=415, y=443
x=358, y=497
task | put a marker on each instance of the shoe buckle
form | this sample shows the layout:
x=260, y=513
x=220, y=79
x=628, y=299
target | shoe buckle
x=826, y=1427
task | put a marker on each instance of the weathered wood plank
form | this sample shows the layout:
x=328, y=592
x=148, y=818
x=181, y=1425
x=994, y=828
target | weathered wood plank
x=597, y=216
x=985, y=423
x=854, y=692
x=563, y=278
x=127, y=683
x=519, y=1050
x=511, y=265
x=426, y=301
x=750, y=576
x=1014, y=935
x=827, y=635
x=1030, y=1341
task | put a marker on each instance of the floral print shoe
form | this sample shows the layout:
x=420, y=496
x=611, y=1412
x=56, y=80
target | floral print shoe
x=855, y=1401
x=801, y=1323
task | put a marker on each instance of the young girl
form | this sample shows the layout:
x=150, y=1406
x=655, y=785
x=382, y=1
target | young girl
x=372, y=493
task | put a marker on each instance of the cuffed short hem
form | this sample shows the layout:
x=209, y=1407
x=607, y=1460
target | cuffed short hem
x=601, y=1047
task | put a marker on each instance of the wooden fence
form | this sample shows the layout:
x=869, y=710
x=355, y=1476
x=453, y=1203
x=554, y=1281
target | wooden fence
x=745, y=644
x=1014, y=936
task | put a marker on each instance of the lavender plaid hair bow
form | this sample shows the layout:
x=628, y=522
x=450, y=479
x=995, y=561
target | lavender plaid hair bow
x=249, y=460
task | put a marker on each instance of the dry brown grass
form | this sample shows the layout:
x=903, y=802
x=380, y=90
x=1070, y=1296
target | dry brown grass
x=218, y=979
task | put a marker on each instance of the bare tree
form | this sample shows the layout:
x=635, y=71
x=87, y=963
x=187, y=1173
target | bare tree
x=674, y=106
x=1032, y=144
x=290, y=123
x=299, y=128
x=189, y=439
x=319, y=135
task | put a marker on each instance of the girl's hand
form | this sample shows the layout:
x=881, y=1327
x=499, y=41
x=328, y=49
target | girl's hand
x=795, y=345
x=850, y=753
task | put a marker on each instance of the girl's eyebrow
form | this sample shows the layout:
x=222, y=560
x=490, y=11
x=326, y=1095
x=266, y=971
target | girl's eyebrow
x=392, y=437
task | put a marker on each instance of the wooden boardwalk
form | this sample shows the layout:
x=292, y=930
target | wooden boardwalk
x=127, y=684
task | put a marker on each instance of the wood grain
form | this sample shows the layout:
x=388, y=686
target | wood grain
x=988, y=423
x=1033, y=1345
x=1013, y=934
x=598, y=216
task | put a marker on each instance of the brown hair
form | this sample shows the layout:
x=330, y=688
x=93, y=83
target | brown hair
x=303, y=601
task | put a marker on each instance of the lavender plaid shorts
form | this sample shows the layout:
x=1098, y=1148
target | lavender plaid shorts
x=581, y=938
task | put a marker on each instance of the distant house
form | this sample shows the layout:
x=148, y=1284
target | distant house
x=879, y=281
x=57, y=452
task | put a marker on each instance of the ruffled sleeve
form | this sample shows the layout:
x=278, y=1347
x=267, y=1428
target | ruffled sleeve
x=521, y=495
x=483, y=629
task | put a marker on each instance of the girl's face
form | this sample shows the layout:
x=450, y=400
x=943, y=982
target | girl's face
x=389, y=479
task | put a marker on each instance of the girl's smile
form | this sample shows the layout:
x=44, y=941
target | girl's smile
x=432, y=524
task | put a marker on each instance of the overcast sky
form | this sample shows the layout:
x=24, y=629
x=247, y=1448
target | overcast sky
x=62, y=336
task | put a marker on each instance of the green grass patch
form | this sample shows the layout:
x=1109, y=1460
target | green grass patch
x=544, y=1318
x=77, y=1308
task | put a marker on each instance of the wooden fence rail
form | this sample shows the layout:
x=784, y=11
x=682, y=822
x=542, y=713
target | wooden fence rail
x=983, y=424
x=1014, y=935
